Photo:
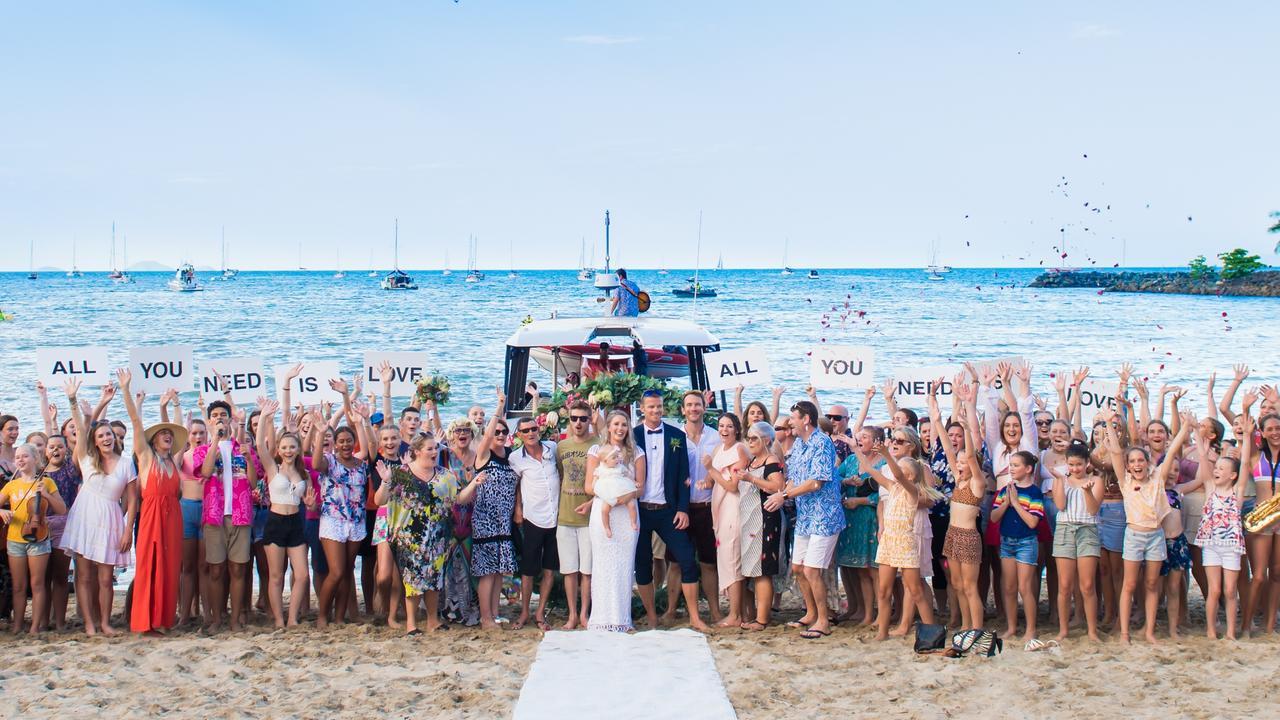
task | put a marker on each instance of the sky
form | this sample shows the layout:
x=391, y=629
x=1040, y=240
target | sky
x=841, y=134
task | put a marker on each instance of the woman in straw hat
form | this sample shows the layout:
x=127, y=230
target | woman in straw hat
x=159, y=548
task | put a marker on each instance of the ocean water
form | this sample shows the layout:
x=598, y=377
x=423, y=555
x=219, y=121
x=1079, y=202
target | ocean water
x=976, y=314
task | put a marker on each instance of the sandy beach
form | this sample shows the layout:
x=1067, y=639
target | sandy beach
x=363, y=670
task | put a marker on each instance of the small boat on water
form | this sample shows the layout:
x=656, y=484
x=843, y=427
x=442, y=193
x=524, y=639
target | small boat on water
x=663, y=271
x=694, y=290
x=813, y=275
x=74, y=272
x=786, y=248
x=397, y=279
x=231, y=273
x=184, y=280
x=586, y=273
x=473, y=275
x=31, y=262
x=935, y=277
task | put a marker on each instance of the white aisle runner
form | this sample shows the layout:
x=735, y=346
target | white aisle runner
x=614, y=676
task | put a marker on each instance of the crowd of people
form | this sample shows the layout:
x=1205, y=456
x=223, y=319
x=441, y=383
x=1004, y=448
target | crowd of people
x=952, y=518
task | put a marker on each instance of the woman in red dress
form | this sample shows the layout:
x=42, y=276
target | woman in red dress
x=159, y=548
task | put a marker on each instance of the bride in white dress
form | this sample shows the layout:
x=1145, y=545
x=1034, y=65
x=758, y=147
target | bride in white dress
x=613, y=559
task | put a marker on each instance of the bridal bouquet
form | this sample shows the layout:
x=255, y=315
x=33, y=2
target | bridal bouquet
x=435, y=389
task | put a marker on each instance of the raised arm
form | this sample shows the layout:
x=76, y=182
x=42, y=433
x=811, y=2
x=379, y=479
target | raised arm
x=1213, y=409
x=862, y=412
x=1246, y=449
x=935, y=419
x=890, y=402
x=48, y=413
x=1241, y=372
x=266, y=435
x=777, y=403
x=1170, y=462
x=812, y=393
x=1112, y=439
x=1064, y=405
x=1144, y=402
x=82, y=428
x=737, y=400
x=319, y=461
x=1164, y=391
x=385, y=374
x=141, y=449
x=482, y=451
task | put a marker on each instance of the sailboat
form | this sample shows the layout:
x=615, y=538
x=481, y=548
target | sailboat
x=231, y=273
x=340, y=274
x=473, y=275
x=511, y=263
x=125, y=278
x=74, y=272
x=31, y=262
x=934, y=269
x=720, y=262
x=372, y=272
x=585, y=273
x=397, y=279
x=786, y=269
x=446, y=272
x=695, y=289
x=115, y=273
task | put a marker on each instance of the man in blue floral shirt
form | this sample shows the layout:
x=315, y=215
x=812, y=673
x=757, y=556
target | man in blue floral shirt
x=811, y=481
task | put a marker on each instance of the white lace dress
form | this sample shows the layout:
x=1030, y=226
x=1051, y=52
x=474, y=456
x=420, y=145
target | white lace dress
x=95, y=521
x=613, y=566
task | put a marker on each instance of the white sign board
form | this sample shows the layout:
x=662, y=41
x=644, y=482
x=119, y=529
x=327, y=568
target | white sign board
x=311, y=387
x=842, y=366
x=160, y=367
x=244, y=375
x=407, y=368
x=56, y=365
x=727, y=369
x=912, y=386
x=1094, y=395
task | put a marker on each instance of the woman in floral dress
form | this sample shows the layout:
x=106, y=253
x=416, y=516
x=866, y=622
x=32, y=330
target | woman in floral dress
x=421, y=532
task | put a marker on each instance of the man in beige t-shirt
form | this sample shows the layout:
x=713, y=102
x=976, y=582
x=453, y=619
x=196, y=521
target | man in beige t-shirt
x=572, y=538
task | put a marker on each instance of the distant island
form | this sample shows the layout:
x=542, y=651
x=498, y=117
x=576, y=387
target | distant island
x=1264, y=283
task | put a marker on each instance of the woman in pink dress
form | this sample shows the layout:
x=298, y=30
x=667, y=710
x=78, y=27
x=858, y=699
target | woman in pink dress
x=721, y=467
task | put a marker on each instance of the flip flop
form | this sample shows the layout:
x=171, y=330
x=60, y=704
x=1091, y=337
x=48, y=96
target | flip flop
x=413, y=632
x=795, y=625
x=812, y=634
x=1034, y=645
x=544, y=626
x=753, y=626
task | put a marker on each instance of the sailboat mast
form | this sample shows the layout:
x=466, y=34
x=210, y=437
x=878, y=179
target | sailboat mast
x=606, y=241
x=697, y=263
x=397, y=245
x=113, y=246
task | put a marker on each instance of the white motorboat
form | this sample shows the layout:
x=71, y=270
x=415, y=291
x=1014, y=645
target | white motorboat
x=184, y=280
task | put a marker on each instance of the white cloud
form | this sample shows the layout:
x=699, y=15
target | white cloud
x=601, y=39
x=1093, y=31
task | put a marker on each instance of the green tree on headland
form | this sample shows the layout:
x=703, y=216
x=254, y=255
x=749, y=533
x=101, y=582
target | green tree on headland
x=1201, y=269
x=1275, y=228
x=1239, y=263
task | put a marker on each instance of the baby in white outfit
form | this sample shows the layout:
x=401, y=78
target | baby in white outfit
x=611, y=484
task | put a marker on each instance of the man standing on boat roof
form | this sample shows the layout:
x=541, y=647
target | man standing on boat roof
x=626, y=297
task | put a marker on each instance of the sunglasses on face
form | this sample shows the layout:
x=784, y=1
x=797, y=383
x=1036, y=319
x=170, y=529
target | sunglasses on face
x=501, y=431
x=897, y=440
x=529, y=430
x=651, y=394
x=1044, y=423
x=782, y=429
x=579, y=418
x=837, y=418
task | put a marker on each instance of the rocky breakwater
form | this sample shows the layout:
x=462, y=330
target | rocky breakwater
x=1264, y=283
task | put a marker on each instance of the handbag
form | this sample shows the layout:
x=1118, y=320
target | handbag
x=979, y=642
x=930, y=638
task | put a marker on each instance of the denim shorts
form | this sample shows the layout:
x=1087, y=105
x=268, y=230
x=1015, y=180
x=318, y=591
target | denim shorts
x=1144, y=545
x=192, y=519
x=1111, y=525
x=311, y=531
x=30, y=549
x=260, y=515
x=1024, y=550
x=1076, y=540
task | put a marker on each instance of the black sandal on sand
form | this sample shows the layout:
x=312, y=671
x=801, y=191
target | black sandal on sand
x=812, y=634
x=795, y=624
x=753, y=626
x=413, y=632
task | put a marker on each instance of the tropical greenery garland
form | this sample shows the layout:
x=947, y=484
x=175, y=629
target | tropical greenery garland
x=605, y=391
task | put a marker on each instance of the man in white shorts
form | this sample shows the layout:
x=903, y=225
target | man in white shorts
x=573, y=541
